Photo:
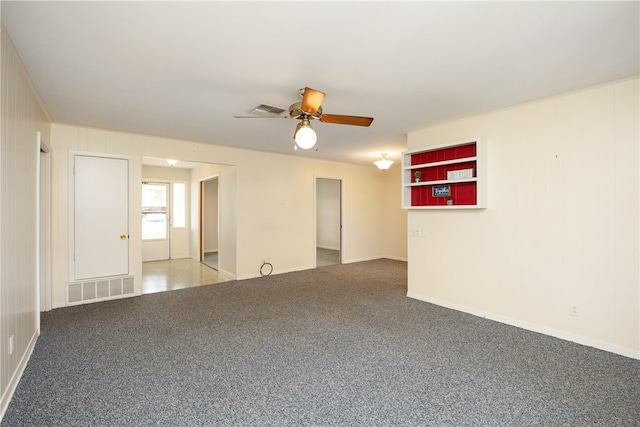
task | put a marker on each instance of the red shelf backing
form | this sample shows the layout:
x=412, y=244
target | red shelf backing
x=449, y=153
x=462, y=193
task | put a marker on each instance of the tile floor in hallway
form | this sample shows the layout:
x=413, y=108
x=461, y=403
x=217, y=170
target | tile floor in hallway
x=327, y=257
x=169, y=275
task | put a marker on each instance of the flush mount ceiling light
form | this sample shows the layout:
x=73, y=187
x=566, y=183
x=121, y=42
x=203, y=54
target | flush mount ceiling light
x=172, y=162
x=383, y=163
x=305, y=136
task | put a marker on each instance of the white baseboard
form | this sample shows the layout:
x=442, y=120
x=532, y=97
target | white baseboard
x=567, y=336
x=275, y=272
x=15, y=378
x=395, y=258
x=227, y=274
x=351, y=261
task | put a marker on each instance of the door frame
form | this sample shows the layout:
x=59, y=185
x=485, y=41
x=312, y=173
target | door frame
x=315, y=217
x=43, y=234
x=71, y=206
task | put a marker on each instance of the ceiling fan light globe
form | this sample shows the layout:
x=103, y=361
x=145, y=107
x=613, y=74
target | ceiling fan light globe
x=305, y=137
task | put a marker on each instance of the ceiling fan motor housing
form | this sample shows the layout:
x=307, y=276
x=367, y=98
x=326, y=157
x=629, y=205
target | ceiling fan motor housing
x=296, y=112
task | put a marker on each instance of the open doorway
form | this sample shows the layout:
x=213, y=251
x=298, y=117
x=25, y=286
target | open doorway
x=328, y=221
x=184, y=267
x=155, y=221
x=166, y=209
x=209, y=223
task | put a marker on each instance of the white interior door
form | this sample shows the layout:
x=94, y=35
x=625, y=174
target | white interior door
x=101, y=217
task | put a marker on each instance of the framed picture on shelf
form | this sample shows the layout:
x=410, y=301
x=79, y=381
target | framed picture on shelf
x=441, y=191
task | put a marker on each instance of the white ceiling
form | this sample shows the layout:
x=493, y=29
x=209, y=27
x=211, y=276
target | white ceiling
x=184, y=69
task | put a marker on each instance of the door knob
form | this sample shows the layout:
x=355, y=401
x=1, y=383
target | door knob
x=123, y=237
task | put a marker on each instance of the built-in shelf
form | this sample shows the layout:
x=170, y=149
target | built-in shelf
x=449, y=176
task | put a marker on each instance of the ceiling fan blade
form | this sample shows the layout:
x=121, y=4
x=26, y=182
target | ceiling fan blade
x=267, y=116
x=311, y=100
x=346, y=120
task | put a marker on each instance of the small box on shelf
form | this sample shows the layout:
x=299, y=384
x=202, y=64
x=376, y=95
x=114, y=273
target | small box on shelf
x=460, y=174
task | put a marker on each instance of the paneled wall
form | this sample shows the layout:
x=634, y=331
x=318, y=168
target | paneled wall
x=21, y=120
x=557, y=249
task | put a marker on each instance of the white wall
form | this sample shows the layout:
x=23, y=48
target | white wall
x=394, y=218
x=21, y=119
x=272, y=209
x=165, y=174
x=562, y=223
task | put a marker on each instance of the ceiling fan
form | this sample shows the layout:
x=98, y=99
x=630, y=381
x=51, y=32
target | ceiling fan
x=310, y=109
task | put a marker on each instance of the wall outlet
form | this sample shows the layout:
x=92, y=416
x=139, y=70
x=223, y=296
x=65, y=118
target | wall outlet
x=415, y=232
x=573, y=309
x=11, y=344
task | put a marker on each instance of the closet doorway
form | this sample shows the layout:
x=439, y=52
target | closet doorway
x=328, y=221
x=210, y=223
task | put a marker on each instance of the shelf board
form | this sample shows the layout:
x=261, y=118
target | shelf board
x=442, y=163
x=443, y=207
x=444, y=181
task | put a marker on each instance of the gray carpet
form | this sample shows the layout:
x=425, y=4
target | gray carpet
x=335, y=346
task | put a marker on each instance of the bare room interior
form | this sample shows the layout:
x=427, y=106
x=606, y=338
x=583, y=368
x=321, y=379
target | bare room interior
x=320, y=213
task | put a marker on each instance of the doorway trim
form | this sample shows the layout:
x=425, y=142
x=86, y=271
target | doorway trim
x=43, y=234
